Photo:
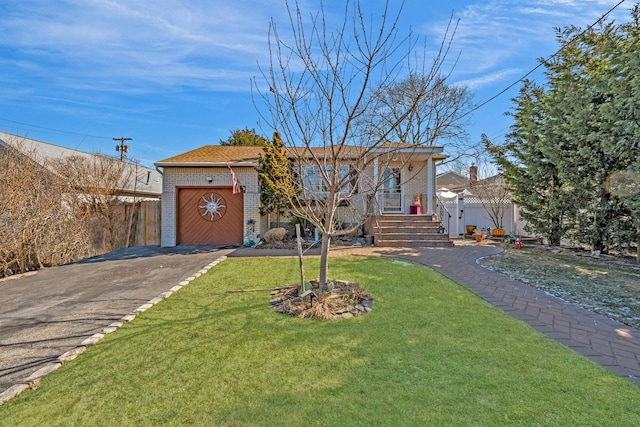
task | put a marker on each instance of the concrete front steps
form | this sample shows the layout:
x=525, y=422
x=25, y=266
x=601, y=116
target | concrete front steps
x=400, y=230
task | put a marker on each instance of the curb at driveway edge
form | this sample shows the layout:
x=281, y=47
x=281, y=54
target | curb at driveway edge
x=33, y=380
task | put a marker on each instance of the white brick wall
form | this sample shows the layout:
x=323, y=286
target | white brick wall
x=198, y=177
x=416, y=182
x=248, y=177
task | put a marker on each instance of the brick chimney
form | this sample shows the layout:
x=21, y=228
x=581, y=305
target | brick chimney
x=473, y=174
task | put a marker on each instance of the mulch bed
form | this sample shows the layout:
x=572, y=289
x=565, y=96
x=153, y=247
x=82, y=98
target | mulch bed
x=344, y=300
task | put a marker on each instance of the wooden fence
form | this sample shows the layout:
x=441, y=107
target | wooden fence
x=148, y=224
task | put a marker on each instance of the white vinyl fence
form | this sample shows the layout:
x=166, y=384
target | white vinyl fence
x=468, y=210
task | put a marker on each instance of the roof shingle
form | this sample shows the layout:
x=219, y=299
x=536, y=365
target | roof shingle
x=221, y=154
x=217, y=154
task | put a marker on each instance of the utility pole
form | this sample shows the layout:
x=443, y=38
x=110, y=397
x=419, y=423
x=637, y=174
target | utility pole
x=122, y=148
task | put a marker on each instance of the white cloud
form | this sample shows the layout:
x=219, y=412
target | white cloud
x=93, y=50
x=493, y=35
x=493, y=77
x=162, y=42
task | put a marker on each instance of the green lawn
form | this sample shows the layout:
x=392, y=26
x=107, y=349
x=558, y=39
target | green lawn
x=429, y=354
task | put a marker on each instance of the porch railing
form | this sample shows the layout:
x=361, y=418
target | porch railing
x=443, y=214
x=390, y=202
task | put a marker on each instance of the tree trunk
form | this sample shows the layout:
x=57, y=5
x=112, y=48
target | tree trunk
x=324, y=261
x=299, y=245
x=555, y=233
x=129, y=224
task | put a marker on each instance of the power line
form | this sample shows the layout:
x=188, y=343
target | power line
x=55, y=130
x=477, y=107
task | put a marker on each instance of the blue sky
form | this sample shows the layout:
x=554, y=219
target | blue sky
x=175, y=75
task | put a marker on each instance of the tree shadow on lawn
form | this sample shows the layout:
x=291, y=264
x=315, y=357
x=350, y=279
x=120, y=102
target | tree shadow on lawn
x=152, y=251
x=430, y=352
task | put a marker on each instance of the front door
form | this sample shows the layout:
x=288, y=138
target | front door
x=391, y=191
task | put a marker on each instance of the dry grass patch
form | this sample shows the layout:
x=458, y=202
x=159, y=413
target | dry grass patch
x=607, y=285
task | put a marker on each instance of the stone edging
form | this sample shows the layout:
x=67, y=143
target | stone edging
x=33, y=380
x=18, y=276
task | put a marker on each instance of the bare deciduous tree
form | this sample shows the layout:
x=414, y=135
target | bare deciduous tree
x=320, y=85
x=54, y=211
x=494, y=196
x=97, y=183
x=38, y=227
x=437, y=119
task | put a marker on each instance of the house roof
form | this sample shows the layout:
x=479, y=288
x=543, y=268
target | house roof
x=495, y=179
x=39, y=151
x=452, y=181
x=481, y=186
x=222, y=155
x=144, y=182
x=216, y=155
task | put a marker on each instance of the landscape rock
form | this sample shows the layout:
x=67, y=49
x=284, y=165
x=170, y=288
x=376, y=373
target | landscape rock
x=45, y=370
x=12, y=392
x=71, y=354
x=275, y=235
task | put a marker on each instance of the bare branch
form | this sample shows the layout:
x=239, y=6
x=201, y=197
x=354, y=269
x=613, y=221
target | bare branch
x=322, y=93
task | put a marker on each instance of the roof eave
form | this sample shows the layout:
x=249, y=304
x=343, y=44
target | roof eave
x=205, y=164
x=413, y=149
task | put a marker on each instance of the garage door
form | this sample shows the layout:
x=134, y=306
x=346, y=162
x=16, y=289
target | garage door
x=210, y=216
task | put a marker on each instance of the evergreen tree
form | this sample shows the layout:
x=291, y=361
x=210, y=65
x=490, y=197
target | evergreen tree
x=278, y=189
x=626, y=185
x=245, y=137
x=596, y=102
x=581, y=128
x=625, y=124
x=575, y=99
x=531, y=174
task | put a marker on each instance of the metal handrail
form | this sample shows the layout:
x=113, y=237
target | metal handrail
x=377, y=217
x=443, y=215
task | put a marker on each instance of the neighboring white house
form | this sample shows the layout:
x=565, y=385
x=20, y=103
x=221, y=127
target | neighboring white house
x=131, y=190
x=456, y=194
x=144, y=182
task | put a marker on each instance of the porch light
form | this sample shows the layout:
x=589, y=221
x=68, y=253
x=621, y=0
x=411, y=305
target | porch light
x=410, y=167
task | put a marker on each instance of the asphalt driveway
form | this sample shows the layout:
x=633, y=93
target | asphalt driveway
x=52, y=312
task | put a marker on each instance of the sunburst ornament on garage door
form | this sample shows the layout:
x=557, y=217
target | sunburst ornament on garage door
x=212, y=207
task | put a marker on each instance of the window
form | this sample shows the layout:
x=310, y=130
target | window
x=314, y=182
